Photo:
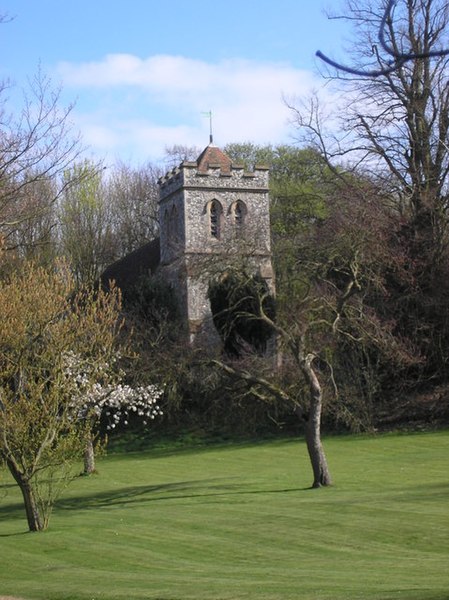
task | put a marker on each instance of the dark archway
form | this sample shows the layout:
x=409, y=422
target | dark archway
x=237, y=302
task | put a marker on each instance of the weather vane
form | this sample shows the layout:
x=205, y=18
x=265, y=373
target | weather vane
x=208, y=114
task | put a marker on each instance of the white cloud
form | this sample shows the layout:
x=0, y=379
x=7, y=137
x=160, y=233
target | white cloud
x=132, y=107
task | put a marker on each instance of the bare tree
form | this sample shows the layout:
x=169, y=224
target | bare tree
x=176, y=154
x=35, y=236
x=396, y=125
x=133, y=196
x=394, y=129
x=36, y=147
x=301, y=328
x=294, y=344
x=397, y=57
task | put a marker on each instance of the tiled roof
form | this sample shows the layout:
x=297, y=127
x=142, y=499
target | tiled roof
x=212, y=156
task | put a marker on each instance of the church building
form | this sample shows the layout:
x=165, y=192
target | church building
x=213, y=214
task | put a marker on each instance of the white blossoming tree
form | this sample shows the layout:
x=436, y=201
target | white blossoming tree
x=102, y=395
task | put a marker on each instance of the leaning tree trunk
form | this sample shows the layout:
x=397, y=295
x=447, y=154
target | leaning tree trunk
x=321, y=475
x=36, y=521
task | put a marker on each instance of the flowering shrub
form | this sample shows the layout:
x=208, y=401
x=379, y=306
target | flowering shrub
x=117, y=402
x=97, y=396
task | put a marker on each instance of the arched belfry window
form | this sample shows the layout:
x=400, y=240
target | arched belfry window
x=215, y=214
x=238, y=212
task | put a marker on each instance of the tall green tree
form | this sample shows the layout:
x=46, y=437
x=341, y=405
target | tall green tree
x=86, y=233
x=43, y=325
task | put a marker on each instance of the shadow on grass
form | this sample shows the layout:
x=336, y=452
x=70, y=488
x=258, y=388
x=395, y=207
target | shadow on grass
x=215, y=488
x=159, y=493
x=142, y=494
x=200, y=489
x=11, y=511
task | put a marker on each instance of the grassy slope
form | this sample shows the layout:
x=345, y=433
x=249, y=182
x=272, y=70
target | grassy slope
x=238, y=522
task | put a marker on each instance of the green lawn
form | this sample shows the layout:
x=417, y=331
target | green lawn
x=238, y=522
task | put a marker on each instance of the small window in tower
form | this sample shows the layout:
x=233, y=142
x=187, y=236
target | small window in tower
x=238, y=211
x=238, y=214
x=215, y=218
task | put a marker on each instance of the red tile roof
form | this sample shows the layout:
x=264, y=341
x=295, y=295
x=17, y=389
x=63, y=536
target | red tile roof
x=212, y=156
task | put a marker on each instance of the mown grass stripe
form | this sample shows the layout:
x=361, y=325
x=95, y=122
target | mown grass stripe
x=239, y=522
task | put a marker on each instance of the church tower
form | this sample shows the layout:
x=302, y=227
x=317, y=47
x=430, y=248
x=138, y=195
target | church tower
x=212, y=214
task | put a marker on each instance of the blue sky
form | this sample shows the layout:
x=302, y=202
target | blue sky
x=142, y=72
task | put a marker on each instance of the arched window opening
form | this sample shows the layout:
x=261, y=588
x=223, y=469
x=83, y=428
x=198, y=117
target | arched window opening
x=215, y=219
x=239, y=214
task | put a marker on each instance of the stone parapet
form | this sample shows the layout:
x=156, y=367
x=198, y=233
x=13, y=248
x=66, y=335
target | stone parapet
x=189, y=176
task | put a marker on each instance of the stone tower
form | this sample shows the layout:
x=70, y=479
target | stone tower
x=212, y=214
